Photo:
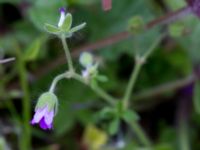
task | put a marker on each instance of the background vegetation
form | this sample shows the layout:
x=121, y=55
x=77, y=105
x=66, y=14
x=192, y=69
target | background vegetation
x=166, y=89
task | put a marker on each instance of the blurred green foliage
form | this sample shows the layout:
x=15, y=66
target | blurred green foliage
x=78, y=105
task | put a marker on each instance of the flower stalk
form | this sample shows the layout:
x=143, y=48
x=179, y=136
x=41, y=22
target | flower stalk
x=55, y=81
x=67, y=54
x=139, y=61
x=140, y=133
x=132, y=82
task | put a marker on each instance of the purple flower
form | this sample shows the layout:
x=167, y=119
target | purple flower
x=195, y=6
x=45, y=110
x=44, y=117
x=62, y=10
x=62, y=17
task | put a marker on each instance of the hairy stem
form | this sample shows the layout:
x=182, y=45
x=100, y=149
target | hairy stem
x=131, y=83
x=67, y=54
x=139, y=62
x=56, y=80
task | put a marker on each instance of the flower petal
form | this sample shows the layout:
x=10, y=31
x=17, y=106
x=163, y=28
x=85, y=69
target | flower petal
x=85, y=73
x=39, y=114
x=43, y=125
x=49, y=117
x=62, y=18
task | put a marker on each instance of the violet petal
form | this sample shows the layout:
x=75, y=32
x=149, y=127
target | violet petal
x=39, y=113
x=43, y=124
x=49, y=117
x=62, y=10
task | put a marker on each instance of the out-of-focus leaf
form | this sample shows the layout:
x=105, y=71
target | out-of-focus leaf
x=31, y=53
x=114, y=126
x=196, y=97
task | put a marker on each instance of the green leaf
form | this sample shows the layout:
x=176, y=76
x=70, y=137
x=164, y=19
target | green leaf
x=102, y=78
x=77, y=28
x=67, y=23
x=114, y=126
x=196, y=97
x=52, y=29
x=32, y=51
x=130, y=115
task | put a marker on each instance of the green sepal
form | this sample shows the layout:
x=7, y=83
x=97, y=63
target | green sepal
x=48, y=99
x=66, y=26
x=77, y=28
x=52, y=29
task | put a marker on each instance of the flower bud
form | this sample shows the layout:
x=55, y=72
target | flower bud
x=136, y=25
x=86, y=59
x=45, y=110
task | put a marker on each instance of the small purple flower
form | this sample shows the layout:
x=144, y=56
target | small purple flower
x=195, y=6
x=62, y=17
x=45, y=110
x=62, y=10
x=44, y=117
